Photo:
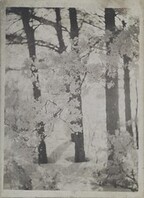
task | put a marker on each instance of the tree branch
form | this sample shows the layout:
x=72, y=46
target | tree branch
x=16, y=43
x=83, y=79
x=58, y=113
x=12, y=69
x=92, y=48
x=82, y=22
x=47, y=44
x=67, y=124
x=100, y=16
x=36, y=26
x=92, y=24
x=44, y=21
x=13, y=23
x=65, y=29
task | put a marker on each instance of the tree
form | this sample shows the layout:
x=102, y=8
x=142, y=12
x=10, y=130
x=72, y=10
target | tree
x=120, y=143
x=136, y=124
x=26, y=16
x=129, y=53
x=18, y=37
x=112, y=114
x=78, y=136
x=130, y=57
x=127, y=95
x=62, y=46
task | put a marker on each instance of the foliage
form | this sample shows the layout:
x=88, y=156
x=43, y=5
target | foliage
x=64, y=79
x=122, y=168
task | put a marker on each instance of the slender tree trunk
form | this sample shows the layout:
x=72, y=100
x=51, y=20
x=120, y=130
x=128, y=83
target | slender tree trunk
x=127, y=95
x=136, y=119
x=25, y=15
x=62, y=46
x=112, y=112
x=77, y=137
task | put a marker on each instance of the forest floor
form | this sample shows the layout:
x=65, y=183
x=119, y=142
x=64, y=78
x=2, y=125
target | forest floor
x=62, y=173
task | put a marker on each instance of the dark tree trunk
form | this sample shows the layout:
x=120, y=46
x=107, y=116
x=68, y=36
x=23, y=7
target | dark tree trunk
x=136, y=119
x=74, y=31
x=128, y=118
x=25, y=15
x=112, y=112
x=62, y=46
x=137, y=136
x=42, y=153
x=77, y=137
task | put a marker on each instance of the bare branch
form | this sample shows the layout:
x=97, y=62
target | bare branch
x=92, y=48
x=58, y=113
x=65, y=29
x=15, y=37
x=16, y=43
x=12, y=69
x=100, y=16
x=13, y=23
x=83, y=79
x=82, y=21
x=48, y=22
x=37, y=26
x=44, y=21
x=90, y=22
x=67, y=124
x=47, y=44
x=51, y=102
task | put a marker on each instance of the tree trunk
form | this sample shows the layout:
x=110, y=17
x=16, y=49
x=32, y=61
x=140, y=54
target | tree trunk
x=42, y=153
x=77, y=137
x=62, y=46
x=112, y=115
x=25, y=15
x=127, y=95
x=136, y=119
x=112, y=112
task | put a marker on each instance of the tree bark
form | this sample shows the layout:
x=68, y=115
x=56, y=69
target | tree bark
x=77, y=137
x=112, y=112
x=128, y=118
x=136, y=119
x=62, y=46
x=25, y=15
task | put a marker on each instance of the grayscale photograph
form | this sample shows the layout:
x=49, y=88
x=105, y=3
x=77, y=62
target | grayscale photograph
x=71, y=100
